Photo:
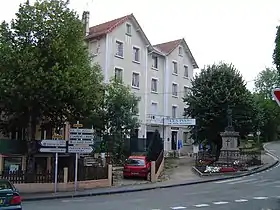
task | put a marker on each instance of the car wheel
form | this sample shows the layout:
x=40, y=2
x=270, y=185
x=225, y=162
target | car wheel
x=148, y=176
x=125, y=177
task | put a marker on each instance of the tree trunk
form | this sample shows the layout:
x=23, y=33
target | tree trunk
x=31, y=150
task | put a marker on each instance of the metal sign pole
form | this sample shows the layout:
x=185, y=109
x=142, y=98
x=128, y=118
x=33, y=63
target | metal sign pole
x=76, y=171
x=56, y=172
x=56, y=168
x=76, y=162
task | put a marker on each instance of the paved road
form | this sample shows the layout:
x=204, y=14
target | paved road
x=256, y=192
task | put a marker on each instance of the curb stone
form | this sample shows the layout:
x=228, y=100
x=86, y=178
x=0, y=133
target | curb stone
x=120, y=191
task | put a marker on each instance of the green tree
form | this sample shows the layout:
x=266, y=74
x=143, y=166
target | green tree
x=120, y=118
x=212, y=91
x=268, y=110
x=276, y=53
x=266, y=81
x=268, y=117
x=45, y=73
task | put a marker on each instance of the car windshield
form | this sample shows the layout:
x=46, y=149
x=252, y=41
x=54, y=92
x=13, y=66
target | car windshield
x=5, y=185
x=135, y=162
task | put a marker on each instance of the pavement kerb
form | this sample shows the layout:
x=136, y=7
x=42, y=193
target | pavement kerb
x=145, y=188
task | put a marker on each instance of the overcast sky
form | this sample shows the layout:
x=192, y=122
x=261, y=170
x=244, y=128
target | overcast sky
x=237, y=31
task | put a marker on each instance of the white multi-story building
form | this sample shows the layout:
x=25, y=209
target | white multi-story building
x=160, y=74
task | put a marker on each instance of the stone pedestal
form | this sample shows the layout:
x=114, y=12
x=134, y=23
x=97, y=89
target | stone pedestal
x=230, y=140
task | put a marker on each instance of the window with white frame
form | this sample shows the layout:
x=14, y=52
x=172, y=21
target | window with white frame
x=154, y=84
x=128, y=29
x=119, y=49
x=186, y=90
x=174, y=89
x=136, y=54
x=135, y=79
x=118, y=74
x=155, y=62
x=175, y=67
x=154, y=108
x=180, y=51
x=174, y=111
x=186, y=71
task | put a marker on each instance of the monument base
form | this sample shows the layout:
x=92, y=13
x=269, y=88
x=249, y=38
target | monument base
x=230, y=140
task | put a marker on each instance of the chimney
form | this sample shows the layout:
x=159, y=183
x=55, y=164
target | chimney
x=85, y=20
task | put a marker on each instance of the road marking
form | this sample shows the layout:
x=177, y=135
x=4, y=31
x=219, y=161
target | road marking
x=79, y=200
x=65, y=201
x=201, y=205
x=260, y=181
x=275, y=158
x=229, y=180
x=260, y=198
x=242, y=181
x=269, y=183
x=220, y=202
x=178, y=207
x=241, y=200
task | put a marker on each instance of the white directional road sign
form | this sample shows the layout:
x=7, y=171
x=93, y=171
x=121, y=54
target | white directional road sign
x=84, y=141
x=79, y=136
x=80, y=149
x=181, y=122
x=53, y=143
x=75, y=130
x=53, y=150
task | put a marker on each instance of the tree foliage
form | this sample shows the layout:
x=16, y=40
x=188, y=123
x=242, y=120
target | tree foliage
x=216, y=88
x=276, y=53
x=268, y=115
x=46, y=73
x=119, y=118
x=266, y=81
x=45, y=70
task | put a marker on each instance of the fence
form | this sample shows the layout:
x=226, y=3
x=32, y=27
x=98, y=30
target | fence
x=159, y=160
x=89, y=173
x=229, y=158
x=19, y=177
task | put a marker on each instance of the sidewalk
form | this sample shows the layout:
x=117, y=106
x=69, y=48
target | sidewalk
x=178, y=173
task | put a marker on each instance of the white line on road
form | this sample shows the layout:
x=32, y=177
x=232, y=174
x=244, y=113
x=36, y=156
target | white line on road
x=178, y=207
x=241, y=200
x=259, y=181
x=228, y=180
x=65, y=201
x=260, y=198
x=275, y=158
x=245, y=180
x=220, y=202
x=201, y=205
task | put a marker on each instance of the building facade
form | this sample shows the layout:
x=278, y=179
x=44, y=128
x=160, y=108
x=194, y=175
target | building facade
x=160, y=74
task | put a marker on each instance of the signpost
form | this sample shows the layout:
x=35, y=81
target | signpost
x=55, y=145
x=80, y=141
x=181, y=122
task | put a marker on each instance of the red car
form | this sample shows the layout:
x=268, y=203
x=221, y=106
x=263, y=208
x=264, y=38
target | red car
x=137, y=166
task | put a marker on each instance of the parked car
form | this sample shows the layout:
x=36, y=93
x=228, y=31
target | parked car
x=137, y=166
x=9, y=196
